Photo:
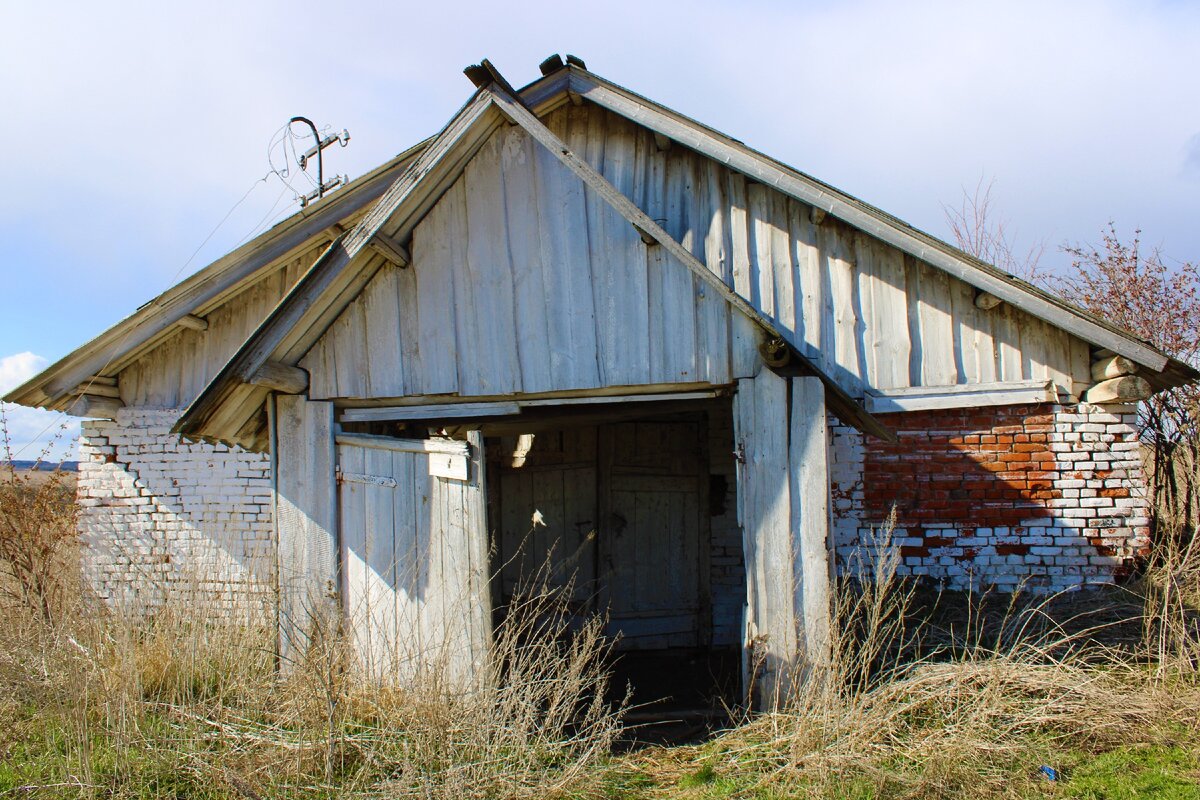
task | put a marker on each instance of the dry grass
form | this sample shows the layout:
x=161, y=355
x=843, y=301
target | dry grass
x=963, y=704
x=189, y=702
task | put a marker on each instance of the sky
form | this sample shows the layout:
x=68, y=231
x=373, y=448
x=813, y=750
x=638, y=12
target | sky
x=136, y=134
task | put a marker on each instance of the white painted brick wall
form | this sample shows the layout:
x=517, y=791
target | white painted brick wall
x=163, y=518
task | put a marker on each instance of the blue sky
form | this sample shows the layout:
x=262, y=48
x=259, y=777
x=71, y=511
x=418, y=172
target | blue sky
x=132, y=128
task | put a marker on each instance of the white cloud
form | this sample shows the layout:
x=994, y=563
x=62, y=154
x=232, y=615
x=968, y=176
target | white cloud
x=33, y=433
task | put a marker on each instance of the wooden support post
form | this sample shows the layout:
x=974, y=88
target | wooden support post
x=1126, y=389
x=281, y=378
x=390, y=249
x=1112, y=367
x=302, y=467
x=193, y=322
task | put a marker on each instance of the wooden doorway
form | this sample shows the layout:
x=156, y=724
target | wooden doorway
x=624, y=511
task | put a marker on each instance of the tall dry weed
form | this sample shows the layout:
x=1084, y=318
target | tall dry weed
x=185, y=699
x=912, y=706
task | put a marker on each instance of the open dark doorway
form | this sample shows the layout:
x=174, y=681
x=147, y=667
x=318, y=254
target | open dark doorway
x=638, y=517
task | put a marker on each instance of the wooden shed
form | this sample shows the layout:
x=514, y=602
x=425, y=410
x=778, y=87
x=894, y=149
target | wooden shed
x=580, y=333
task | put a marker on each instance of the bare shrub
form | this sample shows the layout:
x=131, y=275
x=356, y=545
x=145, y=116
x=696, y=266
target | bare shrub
x=977, y=230
x=38, y=553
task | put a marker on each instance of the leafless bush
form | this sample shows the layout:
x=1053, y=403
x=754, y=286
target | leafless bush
x=38, y=553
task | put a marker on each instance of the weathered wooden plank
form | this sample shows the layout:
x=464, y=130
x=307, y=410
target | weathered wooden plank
x=487, y=351
x=936, y=328
x=674, y=306
x=708, y=212
x=623, y=305
x=812, y=546
x=382, y=316
x=745, y=334
x=842, y=360
x=437, y=248
x=531, y=300
x=302, y=466
x=438, y=411
x=393, y=444
x=923, y=398
x=352, y=540
x=570, y=309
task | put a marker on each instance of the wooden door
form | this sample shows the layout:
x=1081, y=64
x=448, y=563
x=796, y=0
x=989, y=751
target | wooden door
x=413, y=554
x=653, y=541
x=546, y=500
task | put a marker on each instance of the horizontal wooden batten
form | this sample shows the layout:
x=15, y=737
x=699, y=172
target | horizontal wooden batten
x=447, y=458
x=444, y=446
x=503, y=407
x=927, y=398
x=440, y=411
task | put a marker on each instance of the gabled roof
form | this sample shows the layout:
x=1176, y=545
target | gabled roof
x=230, y=408
x=416, y=183
x=199, y=294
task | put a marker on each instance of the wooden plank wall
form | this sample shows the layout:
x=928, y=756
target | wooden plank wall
x=548, y=289
x=174, y=373
x=523, y=281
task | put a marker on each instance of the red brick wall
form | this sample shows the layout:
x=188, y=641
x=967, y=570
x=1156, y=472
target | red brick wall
x=1045, y=494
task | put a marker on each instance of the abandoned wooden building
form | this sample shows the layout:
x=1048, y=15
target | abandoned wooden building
x=578, y=329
